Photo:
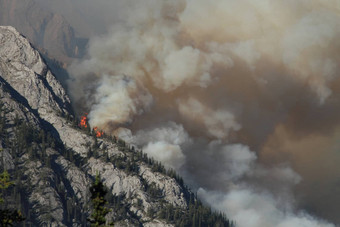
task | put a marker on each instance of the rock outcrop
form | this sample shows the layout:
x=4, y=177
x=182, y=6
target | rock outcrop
x=54, y=161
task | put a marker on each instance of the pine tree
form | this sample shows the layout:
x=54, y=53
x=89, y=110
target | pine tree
x=98, y=192
x=4, y=183
x=7, y=216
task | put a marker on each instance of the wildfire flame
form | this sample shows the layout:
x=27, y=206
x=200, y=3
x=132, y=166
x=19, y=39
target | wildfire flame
x=83, y=121
x=98, y=132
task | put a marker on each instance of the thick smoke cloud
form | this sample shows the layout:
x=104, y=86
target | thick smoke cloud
x=88, y=17
x=164, y=143
x=241, y=97
x=117, y=100
x=217, y=123
x=258, y=209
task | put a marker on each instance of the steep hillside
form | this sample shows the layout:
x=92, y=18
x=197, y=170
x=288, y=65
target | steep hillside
x=53, y=161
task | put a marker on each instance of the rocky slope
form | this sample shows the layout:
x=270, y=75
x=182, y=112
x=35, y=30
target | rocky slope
x=53, y=161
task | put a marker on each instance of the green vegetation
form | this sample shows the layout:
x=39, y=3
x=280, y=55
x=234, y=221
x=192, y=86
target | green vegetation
x=98, y=192
x=28, y=144
x=7, y=216
x=196, y=214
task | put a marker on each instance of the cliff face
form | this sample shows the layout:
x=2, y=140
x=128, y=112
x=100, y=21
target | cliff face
x=47, y=30
x=53, y=161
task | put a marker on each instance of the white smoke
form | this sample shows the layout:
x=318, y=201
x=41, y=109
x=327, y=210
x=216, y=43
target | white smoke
x=253, y=209
x=164, y=143
x=224, y=75
x=308, y=47
x=237, y=158
x=175, y=47
x=118, y=99
x=169, y=154
x=255, y=206
x=218, y=123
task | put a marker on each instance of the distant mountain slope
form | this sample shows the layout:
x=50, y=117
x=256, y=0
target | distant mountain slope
x=53, y=161
x=44, y=29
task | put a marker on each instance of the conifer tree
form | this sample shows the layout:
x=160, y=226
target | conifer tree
x=7, y=216
x=98, y=192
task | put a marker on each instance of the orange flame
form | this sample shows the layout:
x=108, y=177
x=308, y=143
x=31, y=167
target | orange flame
x=83, y=121
x=98, y=132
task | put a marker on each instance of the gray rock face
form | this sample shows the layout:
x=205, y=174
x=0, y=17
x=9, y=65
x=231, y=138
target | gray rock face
x=75, y=177
x=57, y=178
x=24, y=69
x=172, y=191
x=45, y=200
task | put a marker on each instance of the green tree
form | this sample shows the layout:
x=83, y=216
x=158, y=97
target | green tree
x=98, y=192
x=7, y=216
x=4, y=183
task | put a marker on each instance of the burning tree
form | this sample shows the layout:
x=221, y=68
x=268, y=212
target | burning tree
x=98, y=132
x=84, y=124
x=83, y=121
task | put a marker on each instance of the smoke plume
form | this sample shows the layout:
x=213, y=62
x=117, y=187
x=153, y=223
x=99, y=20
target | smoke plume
x=240, y=97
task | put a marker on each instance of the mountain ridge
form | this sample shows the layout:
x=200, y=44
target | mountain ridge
x=53, y=160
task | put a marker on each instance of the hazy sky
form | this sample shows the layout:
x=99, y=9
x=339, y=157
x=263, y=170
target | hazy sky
x=89, y=17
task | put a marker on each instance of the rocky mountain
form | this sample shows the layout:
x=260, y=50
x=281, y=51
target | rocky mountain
x=53, y=161
x=47, y=30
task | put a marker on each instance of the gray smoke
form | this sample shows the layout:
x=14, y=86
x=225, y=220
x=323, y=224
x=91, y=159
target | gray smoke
x=240, y=97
